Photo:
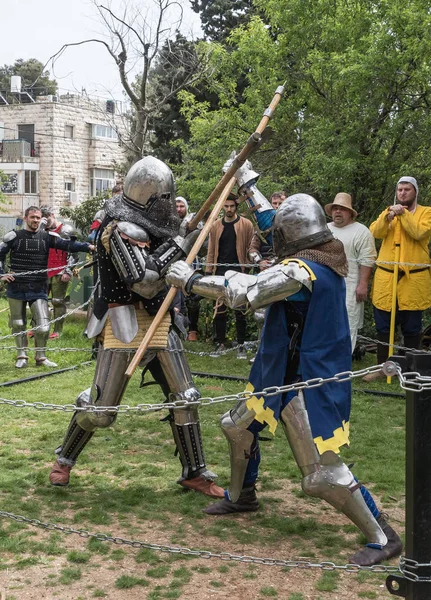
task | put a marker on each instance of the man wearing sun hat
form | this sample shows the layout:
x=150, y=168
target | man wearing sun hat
x=360, y=250
x=412, y=223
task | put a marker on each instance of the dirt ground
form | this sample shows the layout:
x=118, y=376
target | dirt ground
x=240, y=580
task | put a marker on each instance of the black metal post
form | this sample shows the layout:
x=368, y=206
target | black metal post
x=418, y=486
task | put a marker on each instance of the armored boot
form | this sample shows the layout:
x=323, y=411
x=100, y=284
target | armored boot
x=371, y=555
x=247, y=502
x=326, y=476
x=176, y=377
x=17, y=323
x=40, y=316
x=107, y=390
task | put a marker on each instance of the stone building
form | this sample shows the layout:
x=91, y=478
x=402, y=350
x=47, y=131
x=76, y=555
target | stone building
x=57, y=150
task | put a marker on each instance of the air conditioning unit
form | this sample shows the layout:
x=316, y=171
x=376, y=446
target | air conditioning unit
x=73, y=197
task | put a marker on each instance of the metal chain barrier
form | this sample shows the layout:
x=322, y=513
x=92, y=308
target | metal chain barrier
x=59, y=268
x=408, y=568
x=207, y=554
x=397, y=346
x=408, y=381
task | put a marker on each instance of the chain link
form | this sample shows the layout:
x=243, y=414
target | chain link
x=207, y=554
x=389, y=367
x=59, y=268
x=408, y=566
x=397, y=346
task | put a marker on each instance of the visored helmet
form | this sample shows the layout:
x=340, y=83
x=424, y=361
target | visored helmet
x=148, y=183
x=68, y=232
x=298, y=224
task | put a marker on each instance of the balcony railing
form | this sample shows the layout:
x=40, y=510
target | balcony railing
x=18, y=150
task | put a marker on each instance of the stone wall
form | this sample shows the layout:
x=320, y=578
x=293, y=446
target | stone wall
x=61, y=158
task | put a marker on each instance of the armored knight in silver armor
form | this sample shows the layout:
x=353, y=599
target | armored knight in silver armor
x=137, y=243
x=305, y=335
x=27, y=281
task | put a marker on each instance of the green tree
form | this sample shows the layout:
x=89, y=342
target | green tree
x=355, y=115
x=220, y=17
x=35, y=79
x=83, y=215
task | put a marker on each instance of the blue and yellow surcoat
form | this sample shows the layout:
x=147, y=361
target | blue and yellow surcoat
x=325, y=349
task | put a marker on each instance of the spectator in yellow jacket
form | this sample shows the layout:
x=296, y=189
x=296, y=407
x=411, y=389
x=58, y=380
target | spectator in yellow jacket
x=412, y=223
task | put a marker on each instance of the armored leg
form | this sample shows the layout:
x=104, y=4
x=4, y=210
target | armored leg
x=185, y=421
x=59, y=289
x=108, y=388
x=326, y=476
x=17, y=310
x=40, y=318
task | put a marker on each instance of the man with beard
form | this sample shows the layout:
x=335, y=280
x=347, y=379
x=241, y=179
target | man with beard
x=411, y=224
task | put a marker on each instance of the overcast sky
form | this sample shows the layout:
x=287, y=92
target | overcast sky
x=39, y=28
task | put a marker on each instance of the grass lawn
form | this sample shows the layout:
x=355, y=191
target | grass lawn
x=125, y=485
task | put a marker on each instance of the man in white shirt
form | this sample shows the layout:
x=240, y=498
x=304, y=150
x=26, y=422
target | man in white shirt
x=361, y=254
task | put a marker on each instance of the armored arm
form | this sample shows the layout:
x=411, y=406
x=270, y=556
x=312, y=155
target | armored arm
x=5, y=248
x=129, y=249
x=239, y=289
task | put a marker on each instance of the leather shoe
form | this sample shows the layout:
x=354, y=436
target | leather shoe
x=205, y=486
x=247, y=502
x=193, y=336
x=60, y=474
x=366, y=557
x=373, y=376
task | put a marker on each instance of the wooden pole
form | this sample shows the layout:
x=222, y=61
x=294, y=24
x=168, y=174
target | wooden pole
x=397, y=240
x=221, y=191
x=171, y=294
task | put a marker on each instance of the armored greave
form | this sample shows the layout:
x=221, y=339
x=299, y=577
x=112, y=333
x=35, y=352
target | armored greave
x=234, y=425
x=108, y=388
x=184, y=421
x=326, y=476
x=40, y=318
x=58, y=291
x=17, y=322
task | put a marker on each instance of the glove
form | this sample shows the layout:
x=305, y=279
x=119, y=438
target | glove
x=182, y=276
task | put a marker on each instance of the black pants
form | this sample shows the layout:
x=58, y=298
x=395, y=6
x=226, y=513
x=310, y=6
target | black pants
x=220, y=324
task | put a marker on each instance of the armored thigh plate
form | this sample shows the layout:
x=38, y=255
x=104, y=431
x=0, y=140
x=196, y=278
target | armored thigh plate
x=124, y=323
x=234, y=425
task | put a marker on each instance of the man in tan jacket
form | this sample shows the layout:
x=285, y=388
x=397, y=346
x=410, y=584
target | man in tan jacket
x=229, y=240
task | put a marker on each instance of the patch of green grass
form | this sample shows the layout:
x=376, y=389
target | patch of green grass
x=328, y=582
x=158, y=572
x=99, y=594
x=367, y=595
x=296, y=596
x=269, y=591
x=69, y=574
x=216, y=584
x=117, y=554
x=76, y=556
x=125, y=582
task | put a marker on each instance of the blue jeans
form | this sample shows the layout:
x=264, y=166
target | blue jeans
x=27, y=291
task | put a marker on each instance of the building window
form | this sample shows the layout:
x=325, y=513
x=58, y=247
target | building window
x=104, y=131
x=9, y=184
x=101, y=180
x=68, y=132
x=31, y=182
x=69, y=185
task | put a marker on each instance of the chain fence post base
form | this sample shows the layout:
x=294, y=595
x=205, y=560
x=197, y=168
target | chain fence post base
x=415, y=566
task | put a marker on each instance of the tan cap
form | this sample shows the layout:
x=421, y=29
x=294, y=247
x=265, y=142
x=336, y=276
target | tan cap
x=341, y=199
